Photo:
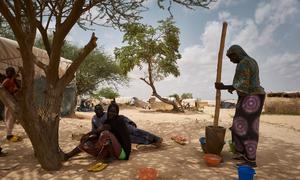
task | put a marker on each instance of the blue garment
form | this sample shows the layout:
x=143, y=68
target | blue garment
x=137, y=136
x=97, y=122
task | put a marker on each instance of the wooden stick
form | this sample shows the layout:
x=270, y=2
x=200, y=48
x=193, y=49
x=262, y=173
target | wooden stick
x=219, y=73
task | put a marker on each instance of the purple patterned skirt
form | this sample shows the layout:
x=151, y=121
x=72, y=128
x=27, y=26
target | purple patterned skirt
x=245, y=126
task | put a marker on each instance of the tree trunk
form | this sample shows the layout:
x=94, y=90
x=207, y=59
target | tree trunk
x=41, y=125
x=44, y=139
x=151, y=84
x=173, y=103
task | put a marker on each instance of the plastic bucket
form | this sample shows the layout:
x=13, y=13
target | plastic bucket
x=246, y=173
x=202, y=141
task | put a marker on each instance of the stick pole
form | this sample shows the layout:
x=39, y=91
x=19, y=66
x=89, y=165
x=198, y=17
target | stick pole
x=219, y=73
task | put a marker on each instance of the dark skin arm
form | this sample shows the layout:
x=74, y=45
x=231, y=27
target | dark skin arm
x=94, y=134
x=221, y=86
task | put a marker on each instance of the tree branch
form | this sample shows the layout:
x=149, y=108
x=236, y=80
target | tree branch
x=74, y=15
x=45, y=37
x=15, y=26
x=145, y=81
x=39, y=63
x=70, y=73
x=17, y=6
x=58, y=40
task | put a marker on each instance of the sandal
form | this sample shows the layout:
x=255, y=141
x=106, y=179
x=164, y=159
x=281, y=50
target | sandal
x=238, y=157
x=97, y=167
x=14, y=138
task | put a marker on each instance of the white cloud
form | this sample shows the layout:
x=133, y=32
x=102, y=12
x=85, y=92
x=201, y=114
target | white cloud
x=275, y=12
x=270, y=15
x=224, y=15
x=255, y=34
x=286, y=65
x=198, y=63
x=219, y=3
x=247, y=35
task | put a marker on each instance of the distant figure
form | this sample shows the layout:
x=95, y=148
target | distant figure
x=251, y=96
x=137, y=136
x=11, y=85
x=110, y=140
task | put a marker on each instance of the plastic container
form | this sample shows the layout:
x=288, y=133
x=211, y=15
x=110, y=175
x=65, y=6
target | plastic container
x=202, y=141
x=147, y=173
x=212, y=160
x=246, y=173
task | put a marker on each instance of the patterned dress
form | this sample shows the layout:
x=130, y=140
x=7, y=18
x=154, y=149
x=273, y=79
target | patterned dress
x=245, y=127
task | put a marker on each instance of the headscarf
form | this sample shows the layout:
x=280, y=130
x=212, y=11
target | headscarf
x=238, y=51
x=119, y=129
x=113, y=104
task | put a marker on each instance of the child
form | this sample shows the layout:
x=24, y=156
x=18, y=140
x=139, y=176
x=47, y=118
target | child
x=11, y=85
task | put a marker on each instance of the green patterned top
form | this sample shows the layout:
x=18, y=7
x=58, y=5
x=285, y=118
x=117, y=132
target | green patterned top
x=246, y=78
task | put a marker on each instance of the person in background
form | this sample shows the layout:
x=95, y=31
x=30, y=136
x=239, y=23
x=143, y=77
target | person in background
x=11, y=85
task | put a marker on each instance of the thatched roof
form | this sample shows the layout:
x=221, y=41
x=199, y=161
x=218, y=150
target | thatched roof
x=285, y=94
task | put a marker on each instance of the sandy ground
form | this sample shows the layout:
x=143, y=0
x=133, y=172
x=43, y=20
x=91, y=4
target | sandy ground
x=278, y=154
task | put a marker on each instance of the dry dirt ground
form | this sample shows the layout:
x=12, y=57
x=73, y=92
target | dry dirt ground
x=278, y=154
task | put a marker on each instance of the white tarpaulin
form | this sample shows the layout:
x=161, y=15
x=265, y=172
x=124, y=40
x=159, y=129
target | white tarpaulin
x=10, y=56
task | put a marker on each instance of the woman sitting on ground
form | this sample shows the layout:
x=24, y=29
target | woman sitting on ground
x=111, y=140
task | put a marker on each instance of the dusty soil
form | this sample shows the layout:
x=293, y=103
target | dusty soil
x=278, y=154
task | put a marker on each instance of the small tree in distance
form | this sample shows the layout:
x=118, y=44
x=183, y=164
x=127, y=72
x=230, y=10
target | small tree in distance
x=155, y=48
x=107, y=92
x=186, y=96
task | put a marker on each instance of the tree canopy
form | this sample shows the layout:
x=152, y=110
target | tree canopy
x=97, y=69
x=186, y=96
x=155, y=48
x=107, y=92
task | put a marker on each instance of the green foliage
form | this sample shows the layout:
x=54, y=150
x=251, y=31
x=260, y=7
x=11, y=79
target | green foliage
x=155, y=47
x=97, y=69
x=107, y=92
x=187, y=96
x=5, y=30
x=183, y=96
x=176, y=96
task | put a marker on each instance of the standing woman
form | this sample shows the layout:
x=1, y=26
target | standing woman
x=251, y=96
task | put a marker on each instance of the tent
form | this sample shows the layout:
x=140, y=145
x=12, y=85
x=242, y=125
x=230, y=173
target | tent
x=10, y=57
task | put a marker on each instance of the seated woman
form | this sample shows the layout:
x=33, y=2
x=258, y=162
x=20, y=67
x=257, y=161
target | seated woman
x=111, y=139
x=137, y=136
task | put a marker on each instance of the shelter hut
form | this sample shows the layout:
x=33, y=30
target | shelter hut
x=10, y=57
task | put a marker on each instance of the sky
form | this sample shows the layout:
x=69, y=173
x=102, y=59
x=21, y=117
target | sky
x=267, y=30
